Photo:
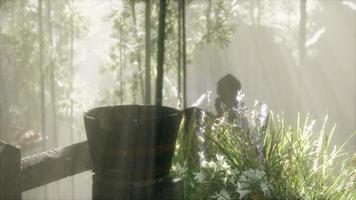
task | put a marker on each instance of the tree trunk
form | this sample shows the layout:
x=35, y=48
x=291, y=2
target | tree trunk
x=160, y=51
x=302, y=31
x=148, y=52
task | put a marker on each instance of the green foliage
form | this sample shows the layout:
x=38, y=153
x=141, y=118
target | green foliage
x=127, y=52
x=20, y=58
x=221, y=159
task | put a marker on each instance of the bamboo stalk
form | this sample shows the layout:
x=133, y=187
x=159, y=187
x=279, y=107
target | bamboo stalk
x=71, y=91
x=302, y=31
x=121, y=67
x=160, y=49
x=148, y=52
x=2, y=92
x=179, y=61
x=52, y=83
x=138, y=55
x=184, y=57
x=42, y=82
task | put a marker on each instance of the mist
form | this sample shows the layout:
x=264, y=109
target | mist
x=60, y=58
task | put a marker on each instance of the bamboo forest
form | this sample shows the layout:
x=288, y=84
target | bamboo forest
x=178, y=99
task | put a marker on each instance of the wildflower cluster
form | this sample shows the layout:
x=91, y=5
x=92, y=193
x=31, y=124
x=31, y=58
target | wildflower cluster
x=252, y=156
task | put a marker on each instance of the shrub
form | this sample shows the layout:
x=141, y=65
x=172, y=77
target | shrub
x=255, y=155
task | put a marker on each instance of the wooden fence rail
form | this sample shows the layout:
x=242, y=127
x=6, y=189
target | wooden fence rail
x=21, y=174
x=18, y=175
x=54, y=165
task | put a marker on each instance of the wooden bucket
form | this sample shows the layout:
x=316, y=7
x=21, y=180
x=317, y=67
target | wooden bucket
x=132, y=143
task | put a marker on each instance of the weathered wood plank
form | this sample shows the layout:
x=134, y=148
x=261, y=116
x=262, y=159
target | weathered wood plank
x=54, y=165
x=166, y=189
x=10, y=166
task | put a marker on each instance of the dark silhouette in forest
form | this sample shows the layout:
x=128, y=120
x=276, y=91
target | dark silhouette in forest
x=227, y=89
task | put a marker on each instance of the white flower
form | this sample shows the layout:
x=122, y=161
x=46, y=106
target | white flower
x=211, y=164
x=199, y=177
x=240, y=96
x=222, y=195
x=204, y=164
x=180, y=170
x=262, y=114
x=252, y=180
x=201, y=155
x=201, y=138
x=220, y=158
x=221, y=162
x=224, y=165
x=243, y=193
x=241, y=113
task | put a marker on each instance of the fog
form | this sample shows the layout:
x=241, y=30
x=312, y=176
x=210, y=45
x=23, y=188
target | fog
x=263, y=50
x=323, y=86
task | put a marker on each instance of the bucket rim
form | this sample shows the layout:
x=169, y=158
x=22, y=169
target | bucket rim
x=172, y=111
